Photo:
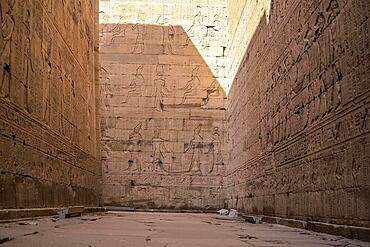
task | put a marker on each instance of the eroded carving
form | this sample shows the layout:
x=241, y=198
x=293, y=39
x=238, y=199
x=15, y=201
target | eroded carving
x=191, y=86
x=6, y=28
x=135, y=141
x=136, y=84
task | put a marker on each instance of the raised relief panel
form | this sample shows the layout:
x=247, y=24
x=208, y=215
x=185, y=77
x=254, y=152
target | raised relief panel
x=155, y=75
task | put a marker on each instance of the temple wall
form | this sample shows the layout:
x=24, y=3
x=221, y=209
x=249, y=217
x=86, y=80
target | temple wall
x=48, y=151
x=298, y=112
x=162, y=104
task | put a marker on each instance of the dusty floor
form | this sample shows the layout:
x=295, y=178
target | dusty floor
x=159, y=230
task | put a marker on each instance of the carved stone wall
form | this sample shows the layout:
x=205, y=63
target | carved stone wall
x=298, y=115
x=162, y=108
x=47, y=104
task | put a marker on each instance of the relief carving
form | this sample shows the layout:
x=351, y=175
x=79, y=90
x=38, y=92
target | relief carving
x=138, y=47
x=27, y=59
x=197, y=29
x=160, y=89
x=136, y=84
x=191, y=86
x=159, y=151
x=105, y=87
x=135, y=141
x=7, y=29
x=195, y=148
x=216, y=151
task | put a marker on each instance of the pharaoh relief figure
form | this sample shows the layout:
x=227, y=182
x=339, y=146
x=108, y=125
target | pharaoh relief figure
x=159, y=151
x=138, y=47
x=135, y=141
x=197, y=29
x=160, y=89
x=216, y=151
x=190, y=89
x=6, y=29
x=27, y=59
x=195, y=149
x=137, y=82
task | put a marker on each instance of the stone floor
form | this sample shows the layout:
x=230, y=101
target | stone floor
x=158, y=230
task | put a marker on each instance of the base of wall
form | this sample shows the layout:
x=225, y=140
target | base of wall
x=352, y=232
x=32, y=213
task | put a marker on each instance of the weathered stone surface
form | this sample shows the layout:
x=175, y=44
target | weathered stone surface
x=162, y=108
x=298, y=111
x=48, y=154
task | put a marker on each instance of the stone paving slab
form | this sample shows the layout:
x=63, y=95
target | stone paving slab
x=140, y=229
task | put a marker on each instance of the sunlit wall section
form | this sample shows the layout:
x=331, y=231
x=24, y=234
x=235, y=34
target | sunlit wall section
x=243, y=18
x=204, y=22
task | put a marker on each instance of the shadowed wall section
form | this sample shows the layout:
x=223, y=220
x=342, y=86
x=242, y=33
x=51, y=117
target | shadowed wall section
x=298, y=114
x=47, y=104
x=162, y=120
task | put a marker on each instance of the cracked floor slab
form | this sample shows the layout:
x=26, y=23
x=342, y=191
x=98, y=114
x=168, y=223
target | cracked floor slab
x=139, y=229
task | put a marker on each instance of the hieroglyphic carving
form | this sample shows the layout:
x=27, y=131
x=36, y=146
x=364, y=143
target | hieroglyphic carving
x=167, y=151
x=195, y=148
x=61, y=102
x=6, y=28
x=136, y=84
x=169, y=40
x=197, y=29
x=27, y=59
x=216, y=151
x=160, y=89
x=119, y=30
x=135, y=144
x=158, y=151
x=192, y=85
x=47, y=66
x=138, y=47
x=105, y=88
x=212, y=90
x=168, y=35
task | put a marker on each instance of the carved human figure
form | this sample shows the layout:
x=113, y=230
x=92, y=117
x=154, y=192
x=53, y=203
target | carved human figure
x=47, y=66
x=158, y=150
x=119, y=30
x=197, y=29
x=169, y=40
x=216, y=150
x=168, y=35
x=105, y=89
x=135, y=143
x=215, y=30
x=136, y=83
x=6, y=32
x=332, y=11
x=160, y=91
x=160, y=88
x=192, y=85
x=61, y=103
x=28, y=67
x=212, y=90
x=195, y=148
x=140, y=37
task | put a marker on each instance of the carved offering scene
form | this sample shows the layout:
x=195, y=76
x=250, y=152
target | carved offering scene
x=162, y=109
x=178, y=123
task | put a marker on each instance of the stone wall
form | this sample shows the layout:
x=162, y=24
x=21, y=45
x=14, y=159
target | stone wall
x=298, y=113
x=47, y=104
x=162, y=108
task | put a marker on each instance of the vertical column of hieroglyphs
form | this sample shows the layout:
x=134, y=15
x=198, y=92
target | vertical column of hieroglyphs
x=161, y=103
x=299, y=114
x=47, y=108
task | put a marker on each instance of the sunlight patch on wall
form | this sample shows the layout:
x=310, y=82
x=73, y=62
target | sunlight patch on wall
x=204, y=22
